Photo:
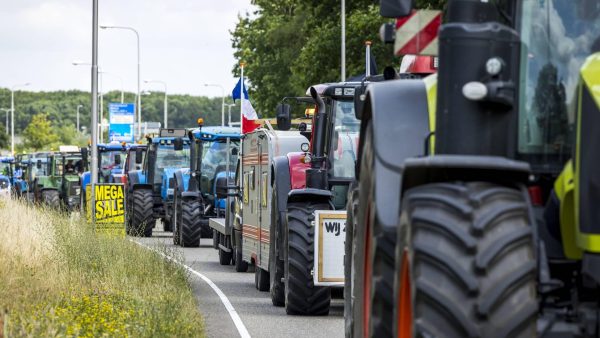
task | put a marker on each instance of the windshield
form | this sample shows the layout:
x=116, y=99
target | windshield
x=557, y=35
x=107, y=159
x=214, y=157
x=72, y=165
x=167, y=157
x=43, y=170
x=345, y=139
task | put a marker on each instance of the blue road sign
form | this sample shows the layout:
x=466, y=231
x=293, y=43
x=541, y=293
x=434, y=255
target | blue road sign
x=122, y=116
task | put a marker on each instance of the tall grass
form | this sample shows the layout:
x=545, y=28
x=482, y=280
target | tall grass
x=59, y=278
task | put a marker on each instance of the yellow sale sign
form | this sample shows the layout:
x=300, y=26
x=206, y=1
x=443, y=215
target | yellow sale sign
x=109, y=207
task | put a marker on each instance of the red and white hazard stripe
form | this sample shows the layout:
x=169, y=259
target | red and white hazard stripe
x=418, y=33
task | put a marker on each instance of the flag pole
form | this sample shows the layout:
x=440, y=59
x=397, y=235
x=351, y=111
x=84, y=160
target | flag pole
x=242, y=64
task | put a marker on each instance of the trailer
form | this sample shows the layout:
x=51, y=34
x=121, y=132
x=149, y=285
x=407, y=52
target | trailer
x=242, y=237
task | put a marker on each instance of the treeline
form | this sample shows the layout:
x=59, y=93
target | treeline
x=288, y=45
x=60, y=108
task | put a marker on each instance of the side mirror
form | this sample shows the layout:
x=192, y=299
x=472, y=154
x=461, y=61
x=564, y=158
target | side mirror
x=84, y=154
x=234, y=151
x=284, y=120
x=117, y=159
x=38, y=164
x=139, y=155
x=359, y=101
x=395, y=8
x=221, y=187
x=178, y=144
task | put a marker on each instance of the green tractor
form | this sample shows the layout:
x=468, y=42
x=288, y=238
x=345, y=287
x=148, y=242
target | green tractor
x=494, y=231
x=57, y=185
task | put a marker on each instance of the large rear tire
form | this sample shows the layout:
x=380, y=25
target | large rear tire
x=352, y=208
x=302, y=297
x=51, y=198
x=372, y=255
x=276, y=269
x=240, y=264
x=465, y=263
x=190, y=224
x=176, y=216
x=142, y=222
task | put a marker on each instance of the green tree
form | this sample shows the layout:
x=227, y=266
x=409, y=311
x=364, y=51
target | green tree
x=4, y=143
x=39, y=134
x=289, y=45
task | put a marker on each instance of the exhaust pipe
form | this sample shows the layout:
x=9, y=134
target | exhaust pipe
x=320, y=121
x=368, y=59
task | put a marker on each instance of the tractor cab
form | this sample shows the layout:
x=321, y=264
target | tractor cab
x=149, y=190
x=110, y=168
x=213, y=161
x=59, y=184
x=330, y=154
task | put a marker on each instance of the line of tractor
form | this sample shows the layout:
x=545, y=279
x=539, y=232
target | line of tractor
x=452, y=199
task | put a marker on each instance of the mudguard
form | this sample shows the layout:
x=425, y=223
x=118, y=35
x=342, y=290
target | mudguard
x=309, y=194
x=281, y=181
x=179, y=179
x=141, y=186
x=187, y=195
x=400, y=117
x=86, y=178
x=446, y=168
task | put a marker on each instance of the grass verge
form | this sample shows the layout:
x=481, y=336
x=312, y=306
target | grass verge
x=58, y=278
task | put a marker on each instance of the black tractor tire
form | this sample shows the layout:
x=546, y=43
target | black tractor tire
x=190, y=224
x=142, y=221
x=473, y=247
x=240, y=264
x=176, y=218
x=372, y=257
x=276, y=284
x=51, y=198
x=167, y=225
x=261, y=279
x=215, y=239
x=351, y=209
x=225, y=257
x=302, y=297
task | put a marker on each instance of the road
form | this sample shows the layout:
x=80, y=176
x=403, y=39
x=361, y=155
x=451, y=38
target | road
x=255, y=309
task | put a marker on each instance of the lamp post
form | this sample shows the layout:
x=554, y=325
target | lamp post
x=12, y=115
x=7, y=110
x=230, y=105
x=166, y=103
x=343, y=61
x=222, y=100
x=78, y=107
x=139, y=98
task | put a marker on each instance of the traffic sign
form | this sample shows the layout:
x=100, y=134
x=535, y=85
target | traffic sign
x=122, y=116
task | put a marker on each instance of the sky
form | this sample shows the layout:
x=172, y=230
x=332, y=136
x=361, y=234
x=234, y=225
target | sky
x=185, y=43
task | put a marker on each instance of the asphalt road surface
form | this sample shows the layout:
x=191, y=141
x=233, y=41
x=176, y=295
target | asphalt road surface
x=258, y=315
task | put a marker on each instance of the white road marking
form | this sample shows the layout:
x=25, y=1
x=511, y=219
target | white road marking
x=239, y=325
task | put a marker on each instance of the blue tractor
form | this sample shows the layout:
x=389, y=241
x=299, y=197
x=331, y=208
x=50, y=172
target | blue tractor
x=213, y=159
x=150, y=190
x=110, y=169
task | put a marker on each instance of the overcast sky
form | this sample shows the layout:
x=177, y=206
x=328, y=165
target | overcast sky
x=185, y=43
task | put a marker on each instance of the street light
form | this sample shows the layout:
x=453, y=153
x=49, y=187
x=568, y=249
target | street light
x=222, y=100
x=230, y=105
x=166, y=104
x=12, y=115
x=78, y=107
x=7, y=110
x=139, y=97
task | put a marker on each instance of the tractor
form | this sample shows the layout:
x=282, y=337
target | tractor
x=474, y=214
x=110, y=169
x=149, y=191
x=213, y=157
x=308, y=184
x=58, y=185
